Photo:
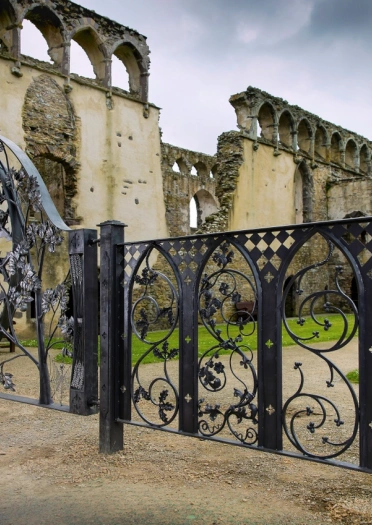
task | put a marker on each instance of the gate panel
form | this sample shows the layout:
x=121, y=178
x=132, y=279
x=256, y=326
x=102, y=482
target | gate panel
x=241, y=282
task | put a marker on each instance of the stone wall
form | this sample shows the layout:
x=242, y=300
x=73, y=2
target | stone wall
x=186, y=175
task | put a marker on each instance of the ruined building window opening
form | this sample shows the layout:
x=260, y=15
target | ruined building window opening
x=351, y=155
x=304, y=135
x=365, y=159
x=33, y=44
x=265, y=120
x=259, y=129
x=193, y=171
x=119, y=74
x=286, y=129
x=321, y=143
x=213, y=173
x=130, y=60
x=193, y=214
x=89, y=41
x=176, y=168
x=181, y=165
x=79, y=62
x=201, y=169
x=336, y=145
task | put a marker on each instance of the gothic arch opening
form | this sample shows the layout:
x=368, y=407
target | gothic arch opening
x=336, y=147
x=303, y=192
x=286, y=129
x=50, y=27
x=304, y=136
x=90, y=42
x=205, y=206
x=365, y=159
x=119, y=74
x=351, y=155
x=201, y=169
x=266, y=120
x=131, y=59
x=193, y=210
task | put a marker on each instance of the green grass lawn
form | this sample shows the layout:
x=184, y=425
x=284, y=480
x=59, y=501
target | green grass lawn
x=207, y=341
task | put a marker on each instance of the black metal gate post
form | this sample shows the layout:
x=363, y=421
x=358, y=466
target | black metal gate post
x=111, y=328
x=188, y=386
x=269, y=364
x=84, y=284
x=365, y=373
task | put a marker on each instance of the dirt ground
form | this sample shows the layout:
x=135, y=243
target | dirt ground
x=51, y=472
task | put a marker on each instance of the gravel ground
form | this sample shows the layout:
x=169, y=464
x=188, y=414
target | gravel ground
x=51, y=472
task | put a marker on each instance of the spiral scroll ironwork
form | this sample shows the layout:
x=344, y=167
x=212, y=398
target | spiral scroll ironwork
x=219, y=295
x=157, y=307
x=307, y=414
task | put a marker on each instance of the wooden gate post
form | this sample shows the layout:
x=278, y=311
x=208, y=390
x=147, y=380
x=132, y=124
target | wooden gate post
x=111, y=328
x=84, y=285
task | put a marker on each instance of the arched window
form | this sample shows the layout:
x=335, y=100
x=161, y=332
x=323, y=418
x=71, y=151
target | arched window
x=321, y=143
x=132, y=61
x=365, y=159
x=266, y=119
x=193, y=214
x=176, y=168
x=50, y=27
x=90, y=42
x=193, y=171
x=119, y=74
x=304, y=135
x=336, y=145
x=351, y=154
x=180, y=166
x=286, y=129
x=33, y=44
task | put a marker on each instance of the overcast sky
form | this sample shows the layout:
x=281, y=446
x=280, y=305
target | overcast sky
x=313, y=53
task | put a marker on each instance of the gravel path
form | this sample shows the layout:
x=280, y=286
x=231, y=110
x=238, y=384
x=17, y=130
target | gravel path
x=51, y=472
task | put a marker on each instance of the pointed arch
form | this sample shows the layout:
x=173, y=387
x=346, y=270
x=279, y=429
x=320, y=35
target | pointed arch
x=364, y=159
x=132, y=60
x=90, y=41
x=51, y=27
x=321, y=143
x=351, y=155
x=266, y=120
x=286, y=129
x=304, y=135
x=336, y=147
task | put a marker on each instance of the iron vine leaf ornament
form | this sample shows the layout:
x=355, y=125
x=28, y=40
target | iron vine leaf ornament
x=33, y=234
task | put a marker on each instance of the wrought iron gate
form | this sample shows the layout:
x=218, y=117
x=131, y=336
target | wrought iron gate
x=31, y=234
x=162, y=300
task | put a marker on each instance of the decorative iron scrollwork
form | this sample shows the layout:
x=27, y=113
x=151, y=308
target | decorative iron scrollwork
x=305, y=413
x=156, y=308
x=218, y=296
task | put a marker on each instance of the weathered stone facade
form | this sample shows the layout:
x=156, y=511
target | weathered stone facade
x=99, y=148
x=186, y=175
